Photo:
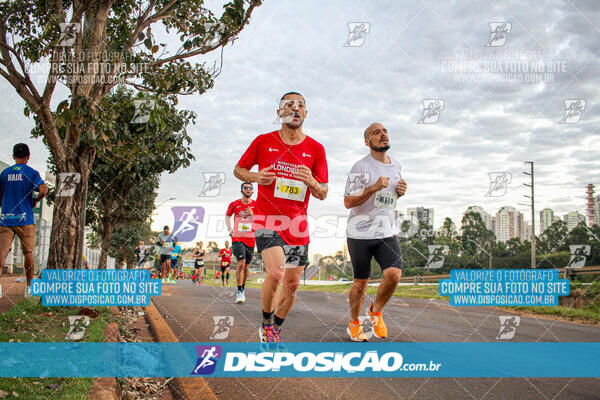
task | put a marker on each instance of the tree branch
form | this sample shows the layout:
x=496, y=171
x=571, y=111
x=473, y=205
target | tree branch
x=207, y=49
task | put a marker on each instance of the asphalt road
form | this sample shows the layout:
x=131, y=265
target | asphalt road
x=319, y=316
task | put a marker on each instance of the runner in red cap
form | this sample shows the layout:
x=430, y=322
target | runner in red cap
x=291, y=167
x=242, y=236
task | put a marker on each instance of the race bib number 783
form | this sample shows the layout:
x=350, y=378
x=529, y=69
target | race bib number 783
x=290, y=189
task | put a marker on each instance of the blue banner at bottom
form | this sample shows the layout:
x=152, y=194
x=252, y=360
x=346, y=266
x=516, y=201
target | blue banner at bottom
x=225, y=359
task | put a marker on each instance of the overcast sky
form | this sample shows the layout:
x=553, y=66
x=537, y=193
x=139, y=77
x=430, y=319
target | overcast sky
x=484, y=126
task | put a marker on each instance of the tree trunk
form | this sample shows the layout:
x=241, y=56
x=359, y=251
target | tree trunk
x=66, y=238
x=106, y=236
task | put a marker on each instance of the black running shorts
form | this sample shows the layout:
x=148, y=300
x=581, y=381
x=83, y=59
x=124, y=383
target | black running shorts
x=242, y=252
x=165, y=258
x=295, y=255
x=386, y=251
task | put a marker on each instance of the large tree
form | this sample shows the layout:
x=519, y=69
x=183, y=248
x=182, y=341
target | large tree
x=90, y=46
x=125, y=175
x=554, y=238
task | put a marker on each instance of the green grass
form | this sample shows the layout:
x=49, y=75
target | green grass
x=564, y=312
x=29, y=321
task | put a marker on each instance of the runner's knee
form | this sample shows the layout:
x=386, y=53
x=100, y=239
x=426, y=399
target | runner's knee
x=393, y=274
x=361, y=284
x=291, y=285
x=276, y=274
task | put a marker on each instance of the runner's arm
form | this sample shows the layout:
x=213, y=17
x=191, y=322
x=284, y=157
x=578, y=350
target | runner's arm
x=355, y=200
x=319, y=190
x=244, y=174
x=228, y=223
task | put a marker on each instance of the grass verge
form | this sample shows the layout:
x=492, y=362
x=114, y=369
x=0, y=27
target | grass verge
x=29, y=321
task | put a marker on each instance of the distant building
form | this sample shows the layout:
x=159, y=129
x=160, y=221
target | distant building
x=316, y=258
x=597, y=210
x=420, y=214
x=573, y=219
x=556, y=218
x=399, y=217
x=485, y=216
x=527, y=230
x=546, y=219
x=509, y=224
x=590, y=204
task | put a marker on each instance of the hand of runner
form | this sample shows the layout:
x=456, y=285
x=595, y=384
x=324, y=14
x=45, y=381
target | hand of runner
x=249, y=211
x=266, y=176
x=401, y=187
x=382, y=182
x=304, y=174
x=231, y=232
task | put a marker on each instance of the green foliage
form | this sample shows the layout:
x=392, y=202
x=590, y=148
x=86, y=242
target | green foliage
x=125, y=176
x=475, y=236
x=125, y=238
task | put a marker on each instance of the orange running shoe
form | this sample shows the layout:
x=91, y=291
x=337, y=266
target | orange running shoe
x=356, y=332
x=379, y=328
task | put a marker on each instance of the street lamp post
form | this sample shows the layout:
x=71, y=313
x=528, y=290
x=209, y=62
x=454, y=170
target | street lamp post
x=532, y=213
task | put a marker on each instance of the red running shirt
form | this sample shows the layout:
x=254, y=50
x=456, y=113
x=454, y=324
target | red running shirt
x=281, y=206
x=225, y=255
x=243, y=230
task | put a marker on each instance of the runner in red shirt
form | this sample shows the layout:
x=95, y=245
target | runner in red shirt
x=291, y=167
x=225, y=255
x=242, y=236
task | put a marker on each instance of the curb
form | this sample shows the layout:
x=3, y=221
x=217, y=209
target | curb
x=191, y=388
x=107, y=388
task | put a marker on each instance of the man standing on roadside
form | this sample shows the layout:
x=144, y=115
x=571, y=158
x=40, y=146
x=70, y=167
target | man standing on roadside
x=372, y=228
x=242, y=236
x=17, y=184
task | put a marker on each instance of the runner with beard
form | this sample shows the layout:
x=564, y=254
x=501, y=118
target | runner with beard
x=291, y=167
x=372, y=228
x=242, y=236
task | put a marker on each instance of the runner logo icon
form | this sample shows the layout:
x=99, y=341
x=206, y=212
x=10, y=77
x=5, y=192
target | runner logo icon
x=187, y=221
x=579, y=253
x=67, y=183
x=508, y=326
x=207, y=359
x=432, y=108
x=357, y=34
x=574, y=109
x=213, y=181
x=499, y=182
x=223, y=324
x=499, y=32
x=437, y=253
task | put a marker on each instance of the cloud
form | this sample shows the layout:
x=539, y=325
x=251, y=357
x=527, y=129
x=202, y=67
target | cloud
x=484, y=127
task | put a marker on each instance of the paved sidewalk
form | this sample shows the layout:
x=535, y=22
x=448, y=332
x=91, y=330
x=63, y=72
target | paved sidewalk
x=12, y=291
